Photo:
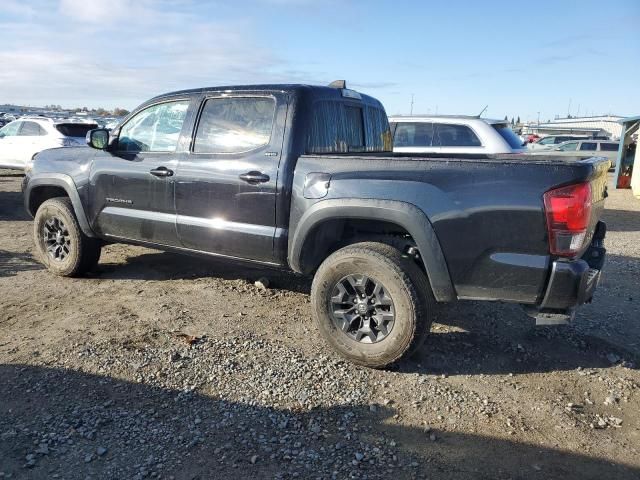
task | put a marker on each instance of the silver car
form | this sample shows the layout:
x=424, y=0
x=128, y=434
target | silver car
x=453, y=134
x=585, y=149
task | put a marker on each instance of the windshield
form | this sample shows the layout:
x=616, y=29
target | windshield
x=505, y=132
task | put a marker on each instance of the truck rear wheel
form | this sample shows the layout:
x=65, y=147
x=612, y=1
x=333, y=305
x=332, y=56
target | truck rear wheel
x=372, y=304
x=60, y=243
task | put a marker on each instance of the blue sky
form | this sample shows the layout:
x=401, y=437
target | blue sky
x=519, y=58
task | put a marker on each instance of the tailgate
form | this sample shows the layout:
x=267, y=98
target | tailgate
x=598, y=182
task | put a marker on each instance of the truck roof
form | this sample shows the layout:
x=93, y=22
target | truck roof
x=319, y=91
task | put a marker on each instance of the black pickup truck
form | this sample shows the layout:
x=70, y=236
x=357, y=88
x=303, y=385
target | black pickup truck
x=302, y=177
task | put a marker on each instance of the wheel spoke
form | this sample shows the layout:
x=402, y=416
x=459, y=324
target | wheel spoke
x=380, y=296
x=341, y=295
x=358, y=283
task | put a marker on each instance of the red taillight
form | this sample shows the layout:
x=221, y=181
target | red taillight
x=568, y=212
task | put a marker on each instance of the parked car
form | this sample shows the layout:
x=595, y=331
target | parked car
x=302, y=178
x=550, y=140
x=453, y=134
x=585, y=149
x=21, y=139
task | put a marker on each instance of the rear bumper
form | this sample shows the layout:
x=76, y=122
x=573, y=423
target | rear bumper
x=573, y=283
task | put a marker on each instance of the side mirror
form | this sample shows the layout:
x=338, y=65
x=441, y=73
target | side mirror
x=98, y=138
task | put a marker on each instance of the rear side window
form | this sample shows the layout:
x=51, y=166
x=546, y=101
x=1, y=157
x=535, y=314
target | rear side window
x=413, y=134
x=588, y=146
x=75, y=129
x=609, y=147
x=505, y=132
x=337, y=127
x=31, y=129
x=454, y=136
x=234, y=125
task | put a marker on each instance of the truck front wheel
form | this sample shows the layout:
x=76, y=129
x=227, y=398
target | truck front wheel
x=60, y=243
x=372, y=304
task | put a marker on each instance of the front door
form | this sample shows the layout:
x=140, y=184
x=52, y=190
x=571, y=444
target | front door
x=226, y=184
x=132, y=186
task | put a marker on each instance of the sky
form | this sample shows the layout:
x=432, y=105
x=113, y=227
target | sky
x=453, y=57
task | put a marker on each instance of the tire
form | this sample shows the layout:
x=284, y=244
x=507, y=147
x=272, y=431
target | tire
x=412, y=303
x=66, y=250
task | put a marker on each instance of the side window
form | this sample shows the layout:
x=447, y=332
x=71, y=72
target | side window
x=341, y=127
x=154, y=129
x=234, y=125
x=455, y=136
x=568, y=147
x=11, y=129
x=30, y=129
x=558, y=140
x=609, y=147
x=410, y=134
x=547, y=141
x=588, y=146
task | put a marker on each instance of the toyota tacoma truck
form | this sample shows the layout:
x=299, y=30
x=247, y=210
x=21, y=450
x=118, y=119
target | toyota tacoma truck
x=303, y=178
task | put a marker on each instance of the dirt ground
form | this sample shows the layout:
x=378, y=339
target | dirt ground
x=164, y=366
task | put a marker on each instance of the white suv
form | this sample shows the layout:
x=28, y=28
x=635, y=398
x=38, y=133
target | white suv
x=453, y=134
x=21, y=139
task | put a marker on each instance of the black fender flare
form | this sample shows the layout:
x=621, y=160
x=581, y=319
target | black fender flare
x=404, y=214
x=68, y=185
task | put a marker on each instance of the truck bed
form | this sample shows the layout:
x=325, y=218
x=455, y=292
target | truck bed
x=486, y=210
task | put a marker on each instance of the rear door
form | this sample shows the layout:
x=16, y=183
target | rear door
x=31, y=139
x=226, y=184
x=132, y=187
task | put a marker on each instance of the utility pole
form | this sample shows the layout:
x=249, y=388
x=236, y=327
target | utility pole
x=569, y=109
x=411, y=111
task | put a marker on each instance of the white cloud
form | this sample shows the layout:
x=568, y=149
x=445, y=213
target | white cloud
x=95, y=11
x=119, y=54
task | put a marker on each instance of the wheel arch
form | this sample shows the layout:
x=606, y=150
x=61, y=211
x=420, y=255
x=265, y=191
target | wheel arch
x=43, y=187
x=321, y=227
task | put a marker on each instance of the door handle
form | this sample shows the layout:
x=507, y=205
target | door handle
x=161, y=172
x=254, y=177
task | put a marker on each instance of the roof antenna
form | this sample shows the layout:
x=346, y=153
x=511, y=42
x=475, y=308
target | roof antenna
x=482, y=111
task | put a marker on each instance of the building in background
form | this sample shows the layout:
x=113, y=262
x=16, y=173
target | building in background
x=601, y=126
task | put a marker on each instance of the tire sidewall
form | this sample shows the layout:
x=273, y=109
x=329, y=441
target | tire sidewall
x=397, y=342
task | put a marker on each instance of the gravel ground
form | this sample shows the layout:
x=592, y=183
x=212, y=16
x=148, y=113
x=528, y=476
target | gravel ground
x=162, y=366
